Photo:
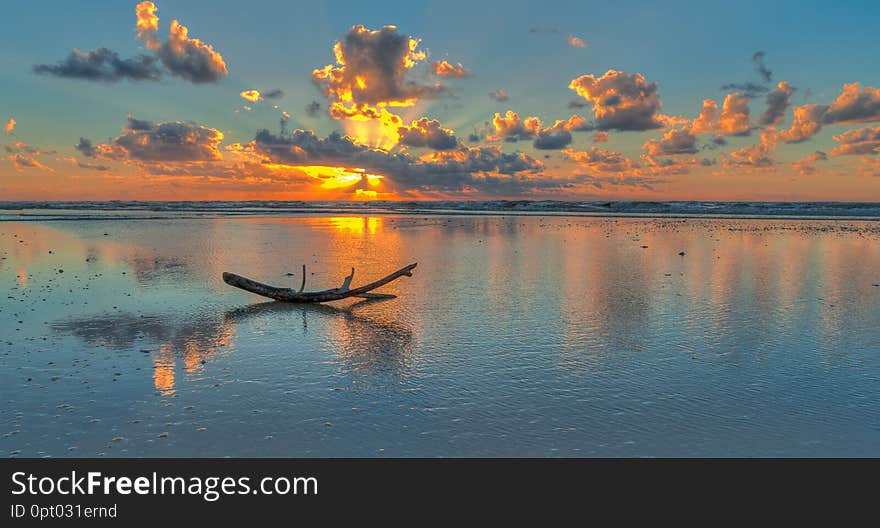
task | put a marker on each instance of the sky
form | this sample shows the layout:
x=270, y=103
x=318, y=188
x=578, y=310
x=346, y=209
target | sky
x=217, y=100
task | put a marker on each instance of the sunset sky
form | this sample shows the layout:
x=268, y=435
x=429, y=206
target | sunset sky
x=202, y=100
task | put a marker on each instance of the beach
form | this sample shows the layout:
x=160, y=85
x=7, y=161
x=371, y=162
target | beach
x=517, y=335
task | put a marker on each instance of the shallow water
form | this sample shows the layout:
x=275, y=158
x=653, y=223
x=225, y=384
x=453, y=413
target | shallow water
x=517, y=336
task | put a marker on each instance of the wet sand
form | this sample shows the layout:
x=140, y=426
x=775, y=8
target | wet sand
x=517, y=336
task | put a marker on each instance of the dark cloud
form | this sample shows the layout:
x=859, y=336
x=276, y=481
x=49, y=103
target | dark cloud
x=273, y=94
x=854, y=105
x=600, y=182
x=313, y=109
x=552, y=139
x=621, y=101
x=162, y=142
x=85, y=147
x=748, y=89
x=674, y=142
x=777, y=103
x=478, y=168
x=92, y=166
x=372, y=68
x=139, y=124
x=760, y=67
x=499, y=95
x=182, y=56
x=862, y=141
x=103, y=65
x=428, y=133
x=600, y=160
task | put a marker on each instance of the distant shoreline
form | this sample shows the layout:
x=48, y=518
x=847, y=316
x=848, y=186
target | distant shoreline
x=154, y=210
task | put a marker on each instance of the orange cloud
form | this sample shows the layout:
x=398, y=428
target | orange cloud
x=854, y=105
x=148, y=25
x=807, y=123
x=429, y=133
x=621, y=101
x=371, y=69
x=21, y=162
x=10, y=125
x=575, y=42
x=862, y=141
x=445, y=69
x=759, y=156
x=251, y=95
x=777, y=103
x=734, y=118
x=706, y=122
x=171, y=141
x=600, y=160
x=673, y=142
x=184, y=56
x=510, y=127
x=808, y=165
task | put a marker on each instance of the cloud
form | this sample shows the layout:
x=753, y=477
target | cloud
x=559, y=136
x=251, y=95
x=758, y=156
x=777, y=103
x=575, y=42
x=182, y=56
x=600, y=182
x=22, y=147
x=445, y=69
x=621, y=101
x=673, y=142
x=21, y=162
x=600, y=137
x=10, y=125
x=103, y=65
x=87, y=166
x=429, y=133
x=760, y=67
x=750, y=89
x=600, y=160
x=499, y=95
x=747, y=89
x=510, y=127
x=808, y=165
x=806, y=124
x=371, y=69
x=485, y=169
x=659, y=164
x=313, y=108
x=734, y=117
x=854, y=105
x=190, y=58
x=862, y=141
x=706, y=122
x=273, y=94
x=85, y=147
x=171, y=141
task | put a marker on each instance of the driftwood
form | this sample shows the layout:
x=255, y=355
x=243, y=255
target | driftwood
x=333, y=294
